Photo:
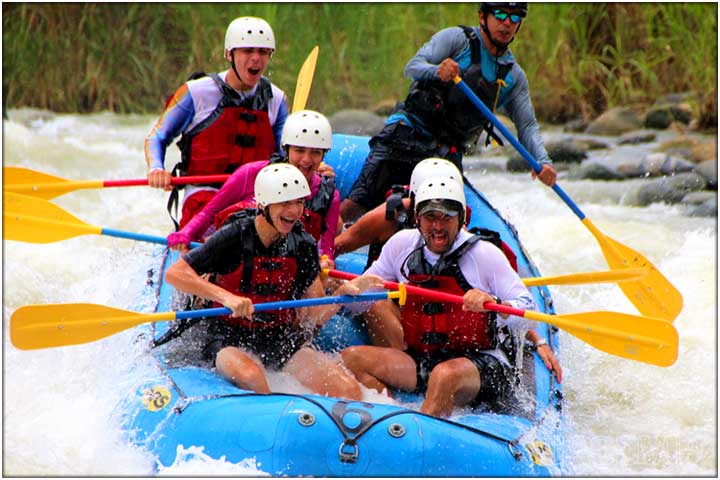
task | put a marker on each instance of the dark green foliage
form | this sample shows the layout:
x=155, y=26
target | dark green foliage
x=580, y=58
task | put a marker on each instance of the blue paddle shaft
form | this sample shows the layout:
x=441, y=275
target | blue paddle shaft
x=140, y=236
x=305, y=302
x=518, y=146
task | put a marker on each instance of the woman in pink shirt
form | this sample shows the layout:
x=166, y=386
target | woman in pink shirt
x=306, y=138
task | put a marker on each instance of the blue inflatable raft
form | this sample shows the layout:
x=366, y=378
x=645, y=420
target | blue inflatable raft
x=182, y=402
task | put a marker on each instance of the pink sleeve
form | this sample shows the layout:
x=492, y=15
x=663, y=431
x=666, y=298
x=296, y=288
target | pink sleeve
x=236, y=188
x=327, y=241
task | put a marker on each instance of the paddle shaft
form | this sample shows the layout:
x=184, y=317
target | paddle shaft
x=44, y=326
x=608, y=276
x=487, y=113
x=441, y=296
x=69, y=229
x=284, y=304
x=140, y=236
x=586, y=326
x=652, y=294
x=65, y=186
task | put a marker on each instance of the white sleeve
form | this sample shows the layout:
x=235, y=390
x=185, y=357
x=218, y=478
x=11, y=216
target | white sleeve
x=392, y=255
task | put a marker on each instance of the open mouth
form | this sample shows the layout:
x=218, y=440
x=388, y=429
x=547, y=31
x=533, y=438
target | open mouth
x=287, y=222
x=254, y=71
x=306, y=171
x=439, y=238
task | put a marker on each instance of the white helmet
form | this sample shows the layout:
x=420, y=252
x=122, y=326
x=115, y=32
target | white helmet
x=279, y=183
x=249, y=32
x=439, y=189
x=307, y=128
x=432, y=168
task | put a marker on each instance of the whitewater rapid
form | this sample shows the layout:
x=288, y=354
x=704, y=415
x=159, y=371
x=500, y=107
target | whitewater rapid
x=623, y=418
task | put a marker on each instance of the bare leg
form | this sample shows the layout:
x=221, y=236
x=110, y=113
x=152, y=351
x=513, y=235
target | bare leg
x=376, y=367
x=350, y=211
x=322, y=375
x=454, y=382
x=383, y=325
x=238, y=367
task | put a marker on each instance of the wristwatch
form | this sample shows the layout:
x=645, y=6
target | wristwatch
x=540, y=343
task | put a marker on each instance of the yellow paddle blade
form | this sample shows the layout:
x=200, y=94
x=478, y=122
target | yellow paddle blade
x=36, y=207
x=607, y=276
x=653, y=295
x=34, y=220
x=45, y=326
x=644, y=339
x=30, y=182
x=304, y=81
x=21, y=175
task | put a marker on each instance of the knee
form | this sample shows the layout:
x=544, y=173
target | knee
x=352, y=357
x=347, y=388
x=237, y=368
x=446, y=375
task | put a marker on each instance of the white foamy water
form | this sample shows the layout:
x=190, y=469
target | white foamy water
x=623, y=417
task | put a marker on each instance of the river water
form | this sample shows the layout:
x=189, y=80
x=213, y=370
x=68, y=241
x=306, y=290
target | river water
x=623, y=418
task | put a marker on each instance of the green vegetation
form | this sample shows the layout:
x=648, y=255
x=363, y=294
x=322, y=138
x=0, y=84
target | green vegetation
x=580, y=58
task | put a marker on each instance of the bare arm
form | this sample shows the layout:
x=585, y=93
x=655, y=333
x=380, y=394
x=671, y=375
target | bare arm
x=546, y=355
x=371, y=227
x=320, y=314
x=183, y=277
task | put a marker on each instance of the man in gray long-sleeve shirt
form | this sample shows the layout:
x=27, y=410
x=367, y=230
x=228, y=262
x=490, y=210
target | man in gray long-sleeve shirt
x=437, y=120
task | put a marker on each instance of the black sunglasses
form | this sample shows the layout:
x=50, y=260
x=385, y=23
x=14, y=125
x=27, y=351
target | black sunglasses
x=502, y=15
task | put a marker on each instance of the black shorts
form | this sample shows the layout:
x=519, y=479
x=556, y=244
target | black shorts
x=273, y=345
x=394, y=153
x=496, y=378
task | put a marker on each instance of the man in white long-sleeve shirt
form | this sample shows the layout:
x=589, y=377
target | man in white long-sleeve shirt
x=455, y=351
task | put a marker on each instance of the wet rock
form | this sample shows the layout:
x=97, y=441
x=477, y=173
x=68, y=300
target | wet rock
x=655, y=165
x=662, y=116
x=634, y=138
x=576, y=126
x=698, y=198
x=708, y=208
x=703, y=151
x=356, y=122
x=564, y=151
x=674, y=107
x=384, y=107
x=594, y=171
x=615, y=121
x=709, y=170
x=670, y=189
x=517, y=164
x=590, y=144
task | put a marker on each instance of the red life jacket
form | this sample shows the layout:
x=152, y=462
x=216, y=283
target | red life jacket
x=263, y=278
x=313, y=219
x=317, y=207
x=237, y=132
x=431, y=325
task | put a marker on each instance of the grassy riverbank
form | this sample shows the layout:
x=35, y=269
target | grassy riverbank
x=580, y=58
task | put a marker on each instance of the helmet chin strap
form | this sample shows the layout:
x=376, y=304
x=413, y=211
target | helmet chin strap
x=262, y=211
x=500, y=46
x=232, y=63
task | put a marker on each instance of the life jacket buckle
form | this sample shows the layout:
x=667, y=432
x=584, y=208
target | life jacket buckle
x=244, y=141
